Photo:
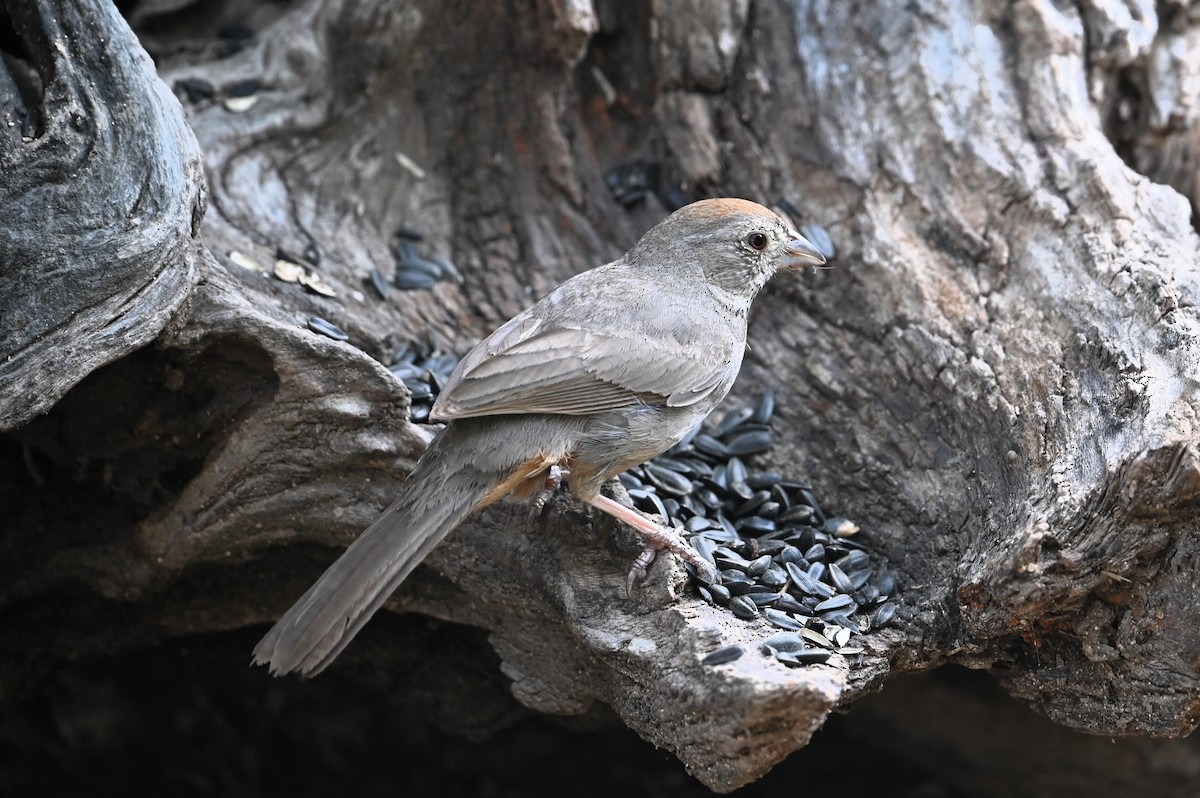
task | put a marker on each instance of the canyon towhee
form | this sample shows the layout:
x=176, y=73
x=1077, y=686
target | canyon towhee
x=610, y=369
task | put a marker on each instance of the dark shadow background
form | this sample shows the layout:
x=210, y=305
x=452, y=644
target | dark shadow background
x=191, y=718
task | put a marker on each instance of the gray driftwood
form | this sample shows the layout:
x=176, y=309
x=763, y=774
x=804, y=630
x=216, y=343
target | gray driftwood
x=998, y=380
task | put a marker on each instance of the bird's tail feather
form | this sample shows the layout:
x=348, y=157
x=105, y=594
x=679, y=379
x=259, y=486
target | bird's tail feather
x=327, y=617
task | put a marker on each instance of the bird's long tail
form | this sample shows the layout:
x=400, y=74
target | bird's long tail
x=326, y=618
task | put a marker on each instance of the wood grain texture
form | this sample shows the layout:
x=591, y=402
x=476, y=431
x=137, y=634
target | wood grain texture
x=100, y=195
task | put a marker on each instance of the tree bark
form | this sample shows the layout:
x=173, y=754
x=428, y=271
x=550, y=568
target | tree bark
x=998, y=381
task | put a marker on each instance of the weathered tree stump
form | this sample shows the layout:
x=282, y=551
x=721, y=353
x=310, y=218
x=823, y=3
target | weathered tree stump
x=998, y=382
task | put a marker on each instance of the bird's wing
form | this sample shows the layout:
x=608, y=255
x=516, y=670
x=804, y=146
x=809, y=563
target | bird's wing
x=531, y=365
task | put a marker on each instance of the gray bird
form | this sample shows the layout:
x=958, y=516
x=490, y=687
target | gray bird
x=608, y=370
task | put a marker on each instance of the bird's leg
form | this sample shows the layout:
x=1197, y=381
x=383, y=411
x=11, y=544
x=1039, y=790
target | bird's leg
x=637, y=572
x=657, y=538
x=555, y=477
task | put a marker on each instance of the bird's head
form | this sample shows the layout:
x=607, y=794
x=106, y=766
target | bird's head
x=737, y=244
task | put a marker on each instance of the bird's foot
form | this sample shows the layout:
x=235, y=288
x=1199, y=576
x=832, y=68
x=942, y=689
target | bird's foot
x=637, y=571
x=555, y=477
x=657, y=538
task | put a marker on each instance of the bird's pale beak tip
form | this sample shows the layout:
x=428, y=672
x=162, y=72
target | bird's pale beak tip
x=802, y=252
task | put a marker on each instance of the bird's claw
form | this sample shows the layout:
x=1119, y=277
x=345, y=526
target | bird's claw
x=637, y=571
x=667, y=538
x=657, y=537
x=555, y=477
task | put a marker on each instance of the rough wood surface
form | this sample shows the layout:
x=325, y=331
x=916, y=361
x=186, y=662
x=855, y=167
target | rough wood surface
x=100, y=198
x=998, y=381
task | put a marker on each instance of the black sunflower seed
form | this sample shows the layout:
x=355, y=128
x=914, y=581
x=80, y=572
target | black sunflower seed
x=418, y=389
x=719, y=478
x=676, y=464
x=630, y=480
x=758, y=566
x=447, y=267
x=410, y=279
x=812, y=656
x=774, y=576
x=769, y=510
x=243, y=88
x=762, y=598
x=799, y=514
x=196, y=90
x=868, y=594
x=380, y=283
x=806, y=496
x=406, y=371
x=781, y=619
x=667, y=480
x=842, y=619
x=788, y=658
x=883, y=614
x=805, y=583
x=783, y=641
x=838, y=578
x=732, y=420
x=790, y=605
x=768, y=546
x=764, y=480
x=819, y=237
x=743, y=607
x=886, y=583
x=749, y=442
x=853, y=560
x=327, y=328
x=732, y=562
x=756, y=500
x=710, y=445
x=424, y=266
x=791, y=554
x=720, y=594
x=648, y=501
x=754, y=525
x=708, y=498
x=704, y=546
x=859, y=579
x=764, y=408
x=736, y=582
x=724, y=655
x=834, y=603
x=742, y=490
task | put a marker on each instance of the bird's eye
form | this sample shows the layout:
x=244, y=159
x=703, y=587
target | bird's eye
x=757, y=240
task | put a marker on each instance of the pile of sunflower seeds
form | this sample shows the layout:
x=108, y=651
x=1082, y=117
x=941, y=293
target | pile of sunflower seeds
x=423, y=370
x=779, y=556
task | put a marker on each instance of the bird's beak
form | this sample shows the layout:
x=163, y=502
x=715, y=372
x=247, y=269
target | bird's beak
x=801, y=252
